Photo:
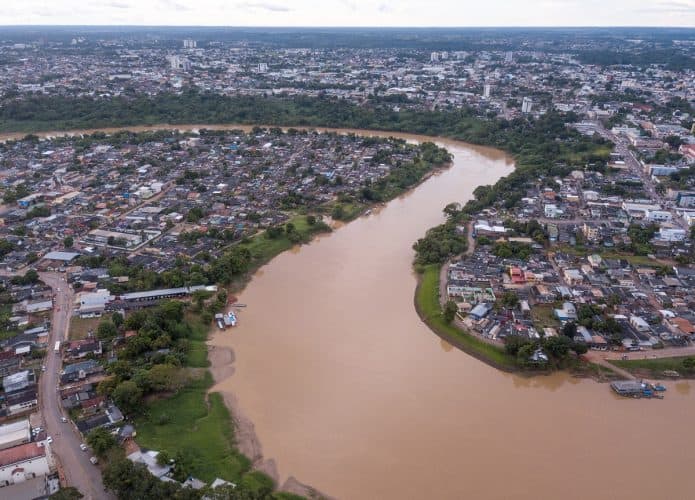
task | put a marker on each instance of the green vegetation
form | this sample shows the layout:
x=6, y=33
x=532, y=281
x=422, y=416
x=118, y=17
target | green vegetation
x=684, y=365
x=80, y=327
x=263, y=247
x=198, y=426
x=441, y=242
x=429, y=309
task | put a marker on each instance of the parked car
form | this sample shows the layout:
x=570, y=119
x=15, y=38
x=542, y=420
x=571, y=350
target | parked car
x=49, y=440
x=83, y=447
x=63, y=419
x=93, y=460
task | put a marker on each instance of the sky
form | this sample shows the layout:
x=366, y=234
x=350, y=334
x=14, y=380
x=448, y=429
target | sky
x=351, y=12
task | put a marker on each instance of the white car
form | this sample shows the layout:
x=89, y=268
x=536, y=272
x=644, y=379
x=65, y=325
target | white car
x=93, y=460
x=63, y=419
x=83, y=447
x=49, y=440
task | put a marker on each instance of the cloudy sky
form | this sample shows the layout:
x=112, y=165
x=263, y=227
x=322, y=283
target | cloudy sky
x=352, y=12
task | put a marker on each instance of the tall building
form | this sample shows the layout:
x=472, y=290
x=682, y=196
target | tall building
x=509, y=57
x=487, y=89
x=434, y=57
x=526, y=105
x=263, y=67
x=178, y=62
x=189, y=44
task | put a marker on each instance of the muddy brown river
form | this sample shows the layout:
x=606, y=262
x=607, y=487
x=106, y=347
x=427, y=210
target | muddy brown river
x=352, y=394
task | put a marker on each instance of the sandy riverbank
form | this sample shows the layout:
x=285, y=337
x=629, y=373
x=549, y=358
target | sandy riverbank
x=222, y=367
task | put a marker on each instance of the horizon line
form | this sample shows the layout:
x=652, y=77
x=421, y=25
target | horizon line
x=347, y=27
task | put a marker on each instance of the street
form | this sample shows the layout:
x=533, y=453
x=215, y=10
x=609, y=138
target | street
x=78, y=470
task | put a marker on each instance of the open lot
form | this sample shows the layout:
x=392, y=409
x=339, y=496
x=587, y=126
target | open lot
x=80, y=327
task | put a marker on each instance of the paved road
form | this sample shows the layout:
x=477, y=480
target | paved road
x=78, y=470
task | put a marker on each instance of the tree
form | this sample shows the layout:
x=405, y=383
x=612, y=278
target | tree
x=569, y=329
x=163, y=458
x=557, y=347
x=311, y=220
x=101, y=441
x=509, y=299
x=127, y=396
x=106, y=330
x=117, y=319
x=689, y=364
x=68, y=241
x=580, y=348
x=69, y=493
x=450, y=310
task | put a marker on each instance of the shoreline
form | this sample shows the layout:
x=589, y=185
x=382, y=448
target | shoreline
x=221, y=359
x=245, y=438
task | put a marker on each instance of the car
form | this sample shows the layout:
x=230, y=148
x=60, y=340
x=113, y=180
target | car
x=36, y=430
x=83, y=447
x=63, y=419
x=49, y=440
x=94, y=460
x=43, y=368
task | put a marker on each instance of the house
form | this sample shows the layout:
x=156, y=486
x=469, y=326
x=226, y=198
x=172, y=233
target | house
x=573, y=276
x=639, y=324
x=567, y=313
x=16, y=381
x=15, y=434
x=79, y=371
x=149, y=460
x=681, y=327
x=78, y=349
x=480, y=311
x=23, y=462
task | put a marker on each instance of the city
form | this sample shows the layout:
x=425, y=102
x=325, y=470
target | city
x=199, y=224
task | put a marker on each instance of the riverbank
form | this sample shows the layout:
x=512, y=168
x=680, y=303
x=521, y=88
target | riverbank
x=429, y=309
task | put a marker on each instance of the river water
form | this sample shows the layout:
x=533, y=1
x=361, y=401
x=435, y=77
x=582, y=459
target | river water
x=352, y=394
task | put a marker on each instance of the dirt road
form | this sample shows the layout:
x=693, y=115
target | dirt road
x=78, y=470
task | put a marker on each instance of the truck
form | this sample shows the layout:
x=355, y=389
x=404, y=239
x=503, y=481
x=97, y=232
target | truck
x=57, y=346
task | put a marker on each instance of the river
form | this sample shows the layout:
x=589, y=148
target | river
x=352, y=394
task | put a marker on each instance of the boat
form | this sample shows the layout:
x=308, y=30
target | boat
x=659, y=387
x=238, y=305
x=230, y=319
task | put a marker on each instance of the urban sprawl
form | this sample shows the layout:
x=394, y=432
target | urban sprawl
x=109, y=230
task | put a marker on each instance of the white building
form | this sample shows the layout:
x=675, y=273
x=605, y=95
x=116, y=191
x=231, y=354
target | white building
x=487, y=90
x=15, y=434
x=16, y=381
x=551, y=211
x=671, y=234
x=658, y=216
x=22, y=463
x=189, y=44
x=639, y=324
x=526, y=105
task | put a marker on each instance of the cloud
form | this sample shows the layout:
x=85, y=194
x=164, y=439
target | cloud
x=118, y=5
x=174, y=5
x=271, y=7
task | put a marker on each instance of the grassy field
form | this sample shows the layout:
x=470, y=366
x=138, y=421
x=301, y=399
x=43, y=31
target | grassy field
x=544, y=317
x=427, y=305
x=80, y=327
x=264, y=249
x=652, y=367
x=197, y=355
x=197, y=425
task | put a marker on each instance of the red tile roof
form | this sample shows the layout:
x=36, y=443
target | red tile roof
x=21, y=453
